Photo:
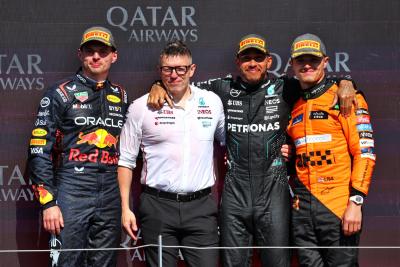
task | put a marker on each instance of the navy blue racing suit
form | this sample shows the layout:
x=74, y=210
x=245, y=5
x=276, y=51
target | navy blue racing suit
x=73, y=157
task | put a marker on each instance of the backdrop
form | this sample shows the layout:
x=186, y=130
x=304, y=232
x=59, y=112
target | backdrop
x=38, y=45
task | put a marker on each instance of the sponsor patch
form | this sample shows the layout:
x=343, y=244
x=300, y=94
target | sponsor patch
x=81, y=96
x=365, y=135
x=367, y=150
x=297, y=119
x=271, y=109
x=271, y=117
x=45, y=102
x=100, y=138
x=318, y=115
x=271, y=90
x=362, y=111
x=310, y=139
x=364, y=127
x=36, y=150
x=273, y=101
x=363, y=119
x=234, y=103
x=206, y=124
x=252, y=128
x=235, y=110
x=366, y=143
x=113, y=98
x=61, y=94
x=39, y=132
x=306, y=44
x=71, y=88
x=38, y=142
x=43, y=113
x=202, y=102
x=234, y=92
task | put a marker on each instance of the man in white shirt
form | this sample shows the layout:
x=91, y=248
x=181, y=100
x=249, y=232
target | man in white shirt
x=178, y=173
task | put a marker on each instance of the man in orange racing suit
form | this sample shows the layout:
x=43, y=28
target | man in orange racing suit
x=334, y=162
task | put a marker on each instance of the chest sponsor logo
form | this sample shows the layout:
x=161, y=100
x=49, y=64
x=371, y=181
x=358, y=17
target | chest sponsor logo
x=272, y=117
x=363, y=119
x=272, y=101
x=62, y=95
x=100, y=138
x=81, y=96
x=39, y=132
x=43, y=113
x=297, y=119
x=230, y=117
x=103, y=157
x=271, y=109
x=165, y=111
x=365, y=135
x=204, y=111
x=109, y=122
x=368, y=155
x=325, y=179
x=114, y=89
x=164, y=118
x=71, y=88
x=234, y=92
x=311, y=139
x=246, y=128
x=206, y=124
x=234, y=102
x=362, y=111
x=163, y=122
x=115, y=108
x=45, y=102
x=82, y=106
x=364, y=127
x=368, y=150
x=79, y=169
x=366, y=143
x=37, y=142
x=113, y=99
x=40, y=122
x=271, y=90
x=318, y=115
x=202, y=102
x=36, y=150
x=234, y=110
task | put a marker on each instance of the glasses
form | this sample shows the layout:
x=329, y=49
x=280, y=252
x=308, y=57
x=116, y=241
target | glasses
x=180, y=70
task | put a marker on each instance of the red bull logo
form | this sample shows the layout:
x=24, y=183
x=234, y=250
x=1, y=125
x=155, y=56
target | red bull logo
x=104, y=157
x=100, y=138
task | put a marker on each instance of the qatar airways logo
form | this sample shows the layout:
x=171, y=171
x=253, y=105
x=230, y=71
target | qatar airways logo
x=150, y=24
x=109, y=122
x=21, y=72
x=13, y=185
x=253, y=128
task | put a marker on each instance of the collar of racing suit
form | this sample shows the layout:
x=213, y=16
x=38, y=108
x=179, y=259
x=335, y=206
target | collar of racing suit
x=252, y=87
x=317, y=90
x=95, y=85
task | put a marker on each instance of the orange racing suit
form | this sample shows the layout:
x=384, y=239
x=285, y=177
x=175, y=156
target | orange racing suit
x=334, y=160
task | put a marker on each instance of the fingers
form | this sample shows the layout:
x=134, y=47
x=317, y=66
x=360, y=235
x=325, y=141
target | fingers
x=129, y=224
x=53, y=221
x=334, y=101
x=345, y=106
x=351, y=227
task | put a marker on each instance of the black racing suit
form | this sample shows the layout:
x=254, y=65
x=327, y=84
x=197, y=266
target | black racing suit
x=73, y=159
x=255, y=205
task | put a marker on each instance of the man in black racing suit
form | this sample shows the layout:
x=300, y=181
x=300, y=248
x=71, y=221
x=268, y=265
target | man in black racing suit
x=73, y=157
x=256, y=203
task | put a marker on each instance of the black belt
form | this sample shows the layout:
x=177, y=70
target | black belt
x=180, y=197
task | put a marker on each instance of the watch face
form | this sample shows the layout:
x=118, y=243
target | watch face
x=357, y=199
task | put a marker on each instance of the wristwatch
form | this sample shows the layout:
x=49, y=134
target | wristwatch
x=359, y=200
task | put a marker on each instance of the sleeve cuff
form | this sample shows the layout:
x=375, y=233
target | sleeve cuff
x=49, y=204
x=355, y=192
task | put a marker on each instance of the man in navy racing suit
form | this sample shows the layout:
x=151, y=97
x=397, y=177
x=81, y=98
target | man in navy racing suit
x=73, y=156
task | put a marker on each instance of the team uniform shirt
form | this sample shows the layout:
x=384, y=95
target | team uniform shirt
x=334, y=155
x=177, y=143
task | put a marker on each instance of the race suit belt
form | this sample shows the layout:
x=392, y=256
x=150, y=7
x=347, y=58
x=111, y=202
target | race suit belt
x=179, y=197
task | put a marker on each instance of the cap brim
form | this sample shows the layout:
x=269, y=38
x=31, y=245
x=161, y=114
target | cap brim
x=317, y=54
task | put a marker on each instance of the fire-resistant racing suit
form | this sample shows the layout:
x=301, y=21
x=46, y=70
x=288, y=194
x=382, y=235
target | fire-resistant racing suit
x=255, y=205
x=334, y=160
x=73, y=157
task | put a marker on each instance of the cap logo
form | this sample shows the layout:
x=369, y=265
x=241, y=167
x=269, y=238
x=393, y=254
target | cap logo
x=252, y=40
x=307, y=44
x=96, y=34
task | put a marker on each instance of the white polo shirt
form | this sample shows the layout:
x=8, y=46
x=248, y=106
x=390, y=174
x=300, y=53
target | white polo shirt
x=177, y=143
